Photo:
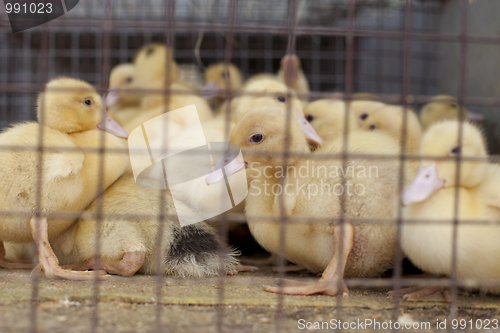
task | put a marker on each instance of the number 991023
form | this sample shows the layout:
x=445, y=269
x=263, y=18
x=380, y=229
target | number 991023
x=32, y=8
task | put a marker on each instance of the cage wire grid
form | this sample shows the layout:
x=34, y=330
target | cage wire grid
x=332, y=57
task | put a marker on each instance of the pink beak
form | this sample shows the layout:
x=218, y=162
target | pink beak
x=311, y=134
x=109, y=125
x=232, y=162
x=426, y=182
x=210, y=90
x=112, y=98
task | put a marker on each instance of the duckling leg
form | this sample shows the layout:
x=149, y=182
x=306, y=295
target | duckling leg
x=13, y=264
x=420, y=294
x=47, y=259
x=242, y=268
x=331, y=281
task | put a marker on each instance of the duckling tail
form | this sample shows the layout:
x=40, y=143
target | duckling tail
x=195, y=252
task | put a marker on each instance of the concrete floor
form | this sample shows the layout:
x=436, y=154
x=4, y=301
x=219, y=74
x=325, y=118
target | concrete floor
x=128, y=304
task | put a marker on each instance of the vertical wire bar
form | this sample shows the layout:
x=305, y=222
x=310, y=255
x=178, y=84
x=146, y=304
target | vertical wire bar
x=405, y=99
x=292, y=22
x=44, y=62
x=43, y=65
x=461, y=118
x=105, y=65
x=169, y=41
x=229, y=93
x=349, y=87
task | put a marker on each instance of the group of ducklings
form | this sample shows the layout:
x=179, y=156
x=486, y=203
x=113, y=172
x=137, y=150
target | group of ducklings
x=340, y=235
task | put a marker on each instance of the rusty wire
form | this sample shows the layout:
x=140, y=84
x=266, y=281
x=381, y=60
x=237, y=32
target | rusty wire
x=108, y=25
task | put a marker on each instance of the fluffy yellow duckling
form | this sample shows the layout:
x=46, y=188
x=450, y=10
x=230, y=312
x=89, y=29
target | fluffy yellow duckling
x=390, y=119
x=69, y=182
x=431, y=196
x=350, y=249
x=153, y=104
x=121, y=103
x=128, y=244
x=327, y=117
x=152, y=63
x=444, y=107
x=291, y=69
x=220, y=77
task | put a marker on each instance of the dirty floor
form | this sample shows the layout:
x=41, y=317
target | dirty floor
x=130, y=304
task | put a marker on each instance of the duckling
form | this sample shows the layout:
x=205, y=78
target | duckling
x=431, y=197
x=153, y=104
x=217, y=78
x=390, y=119
x=70, y=173
x=348, y=249
x=444, y=107
x=121, y=103
x=128, y=243
x=327, y=117
x=291, y=69
x=152, y=62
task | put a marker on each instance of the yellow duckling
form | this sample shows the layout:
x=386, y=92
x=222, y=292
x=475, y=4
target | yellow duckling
x=220, y=77
x=327, y=117
x=390, y=120
x=350, y=249
x=153, y=62
x=121, y=103
x=70, y=172
x=444, y=107
x=128, y=243
x=291, y=69
x=153, y=104
x=431, y=197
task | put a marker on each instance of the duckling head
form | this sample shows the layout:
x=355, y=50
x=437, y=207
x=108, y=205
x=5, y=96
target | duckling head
x=217, y=76
x=361, y=109
x=442, y=140
x=121, y=80
x=264, y=92
x=151, y=63
x=71, y=105
x=327, y=117
x=444, y=107
x=390, y=120
x=262, y=136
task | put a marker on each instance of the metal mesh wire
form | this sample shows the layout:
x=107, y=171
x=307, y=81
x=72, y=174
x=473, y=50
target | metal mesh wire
x=387, y=47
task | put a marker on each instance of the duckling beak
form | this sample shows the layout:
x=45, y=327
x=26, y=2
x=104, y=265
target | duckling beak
x=425, y=183
x=112, y=98
x=210, y=90
x=311, y=134
x=232, y=162
x=472, y=116
x=109, y=125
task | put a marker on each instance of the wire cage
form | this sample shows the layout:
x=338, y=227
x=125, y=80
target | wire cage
x=402, y=51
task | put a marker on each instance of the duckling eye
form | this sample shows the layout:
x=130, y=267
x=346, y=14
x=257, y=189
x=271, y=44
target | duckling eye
x=455, y=151
x=225, y=75
x=281, y=99
x=454, y=105
x=363, y=116
x=310, y=118
x=129, y=79
x=372, y=127
x=256, y=138
x=88, y=102
x=150, y=51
